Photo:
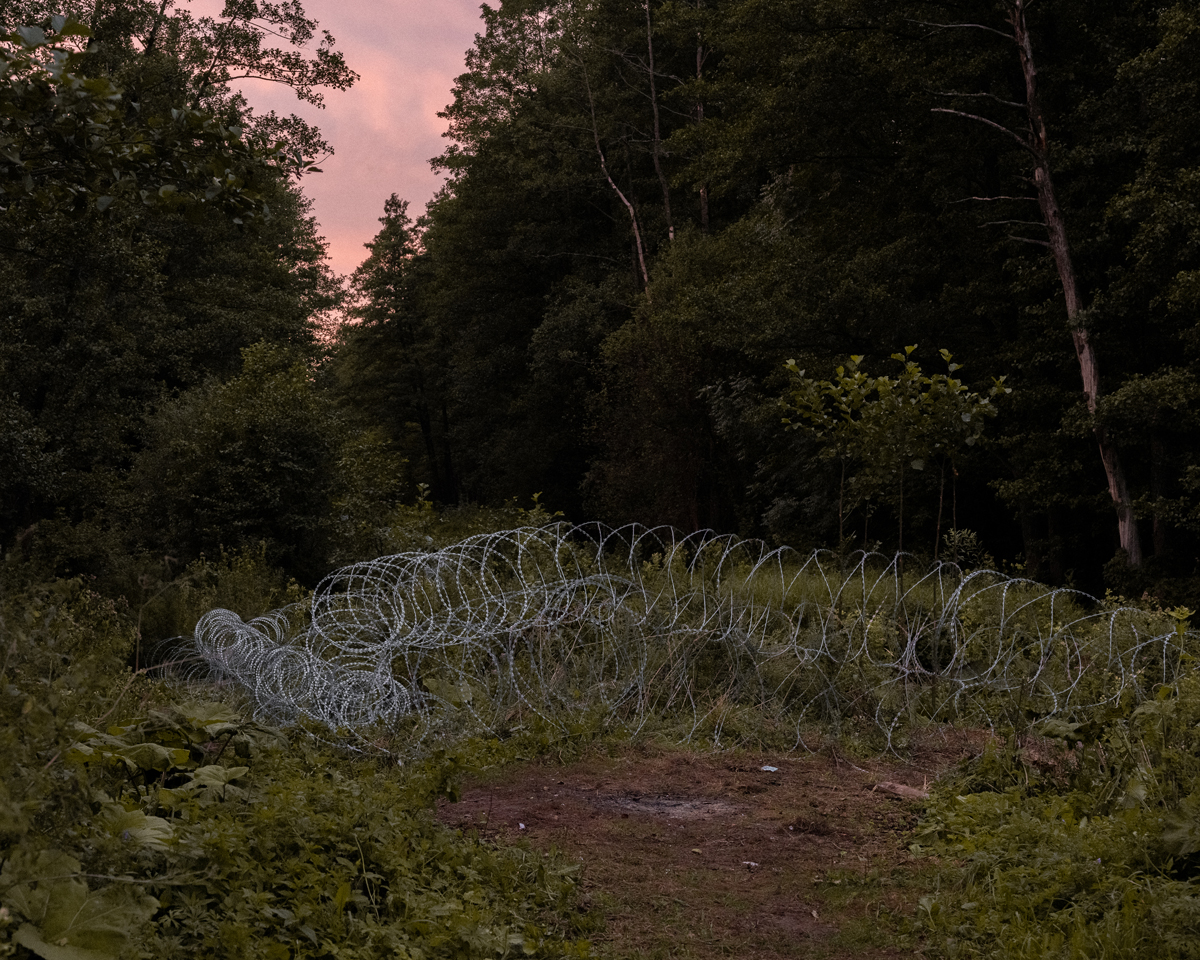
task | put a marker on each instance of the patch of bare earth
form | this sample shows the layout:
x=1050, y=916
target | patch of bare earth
x=696, y=855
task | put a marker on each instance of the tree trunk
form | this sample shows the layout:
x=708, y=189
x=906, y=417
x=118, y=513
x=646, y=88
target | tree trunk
x=447, y=459
x=1056, y=230
x=637, y=232
x=148, y=47
x=841, y=501
x=1033, y=553
x=431, y=457
x=662, y=177
x=937, y=530
x=1158, y=457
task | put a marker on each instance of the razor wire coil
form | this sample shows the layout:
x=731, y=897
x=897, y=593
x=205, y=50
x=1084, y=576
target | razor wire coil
x=640, y=622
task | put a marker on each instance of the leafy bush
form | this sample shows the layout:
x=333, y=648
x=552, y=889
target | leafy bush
x=173, y=827
x=1080, y=843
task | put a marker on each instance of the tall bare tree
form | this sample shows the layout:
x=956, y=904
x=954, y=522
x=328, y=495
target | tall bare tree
x=1036, y=141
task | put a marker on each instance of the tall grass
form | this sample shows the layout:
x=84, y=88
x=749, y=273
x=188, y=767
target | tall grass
x=640, y=626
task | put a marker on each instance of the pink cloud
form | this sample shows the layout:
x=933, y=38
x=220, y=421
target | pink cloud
x=385, y=128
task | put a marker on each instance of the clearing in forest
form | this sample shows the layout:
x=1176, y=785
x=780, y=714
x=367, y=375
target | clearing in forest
x=695, y=855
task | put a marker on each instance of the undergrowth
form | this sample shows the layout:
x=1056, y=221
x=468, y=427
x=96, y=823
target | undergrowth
x=1078, y=839
x=723, y=639
x=143, y=817
x=136, y=821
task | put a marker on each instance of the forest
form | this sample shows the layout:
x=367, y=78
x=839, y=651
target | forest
x=650, y=212
x=766, y=375
x=652, y=209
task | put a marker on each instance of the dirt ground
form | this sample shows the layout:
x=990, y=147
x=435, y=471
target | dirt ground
x=695, y=855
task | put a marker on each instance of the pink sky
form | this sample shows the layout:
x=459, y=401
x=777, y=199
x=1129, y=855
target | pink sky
x=385, y=128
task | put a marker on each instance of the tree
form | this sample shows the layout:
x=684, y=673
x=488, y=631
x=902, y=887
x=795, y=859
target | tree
x=1036, y=141
x=795, y=193
x=163, y=54
x=69, y=140
x=264, y=457
x=882, y=426
x=391, y=364
x=142, y=245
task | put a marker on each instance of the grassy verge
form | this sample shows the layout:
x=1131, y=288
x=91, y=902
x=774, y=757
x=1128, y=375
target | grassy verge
x=1082, y=844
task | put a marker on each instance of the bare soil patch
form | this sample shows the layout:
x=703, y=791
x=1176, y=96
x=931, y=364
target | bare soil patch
x=697, y=855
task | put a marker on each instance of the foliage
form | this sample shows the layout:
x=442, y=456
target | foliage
x=131, y=269
x=166, y=51
x=1078, y=837
x=263, y=457
x=70, y=139
x=884, y=425
x=814, y=204
x=172, y=826
x=389, y=364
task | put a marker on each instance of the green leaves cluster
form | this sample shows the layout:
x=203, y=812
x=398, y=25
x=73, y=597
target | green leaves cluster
x=882, y=426
x=911, y=417
x=70, y=137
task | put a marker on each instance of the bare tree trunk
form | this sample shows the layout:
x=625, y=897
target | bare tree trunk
x=1038, y=144
x=662, y=177
x=1056, y=229
x=637, y=233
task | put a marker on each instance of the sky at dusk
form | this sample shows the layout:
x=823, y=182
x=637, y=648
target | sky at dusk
x=385, y=128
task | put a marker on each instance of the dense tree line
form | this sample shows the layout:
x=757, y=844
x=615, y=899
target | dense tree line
x=162, y=287
x=653, y=206
x=665, y=225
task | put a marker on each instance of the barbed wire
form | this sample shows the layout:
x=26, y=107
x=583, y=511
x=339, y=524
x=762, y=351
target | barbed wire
x=639, y=623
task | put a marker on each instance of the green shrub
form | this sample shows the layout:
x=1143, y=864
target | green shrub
x=1079, y=844
x=176, y=828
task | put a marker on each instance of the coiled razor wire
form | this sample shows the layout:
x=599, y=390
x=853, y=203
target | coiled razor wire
x=638, y=624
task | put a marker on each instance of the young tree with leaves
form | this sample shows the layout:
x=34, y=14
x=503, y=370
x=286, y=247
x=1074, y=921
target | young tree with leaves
x=882, y=426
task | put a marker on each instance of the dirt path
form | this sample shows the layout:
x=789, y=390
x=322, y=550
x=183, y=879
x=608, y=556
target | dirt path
x=696, y=855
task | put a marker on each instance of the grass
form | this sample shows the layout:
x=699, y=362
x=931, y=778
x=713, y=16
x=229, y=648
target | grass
x=719, y=641
x=1076, y=833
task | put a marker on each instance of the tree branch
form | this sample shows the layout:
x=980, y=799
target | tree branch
x=965, y=199
x=637, y=233
x=972, y=26
x=992, y=123
x=989, y=96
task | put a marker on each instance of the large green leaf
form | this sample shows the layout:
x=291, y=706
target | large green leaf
x=133, y=826
x=151, y=756
x=215, y=718
x=217, y=776
x=67, y=921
